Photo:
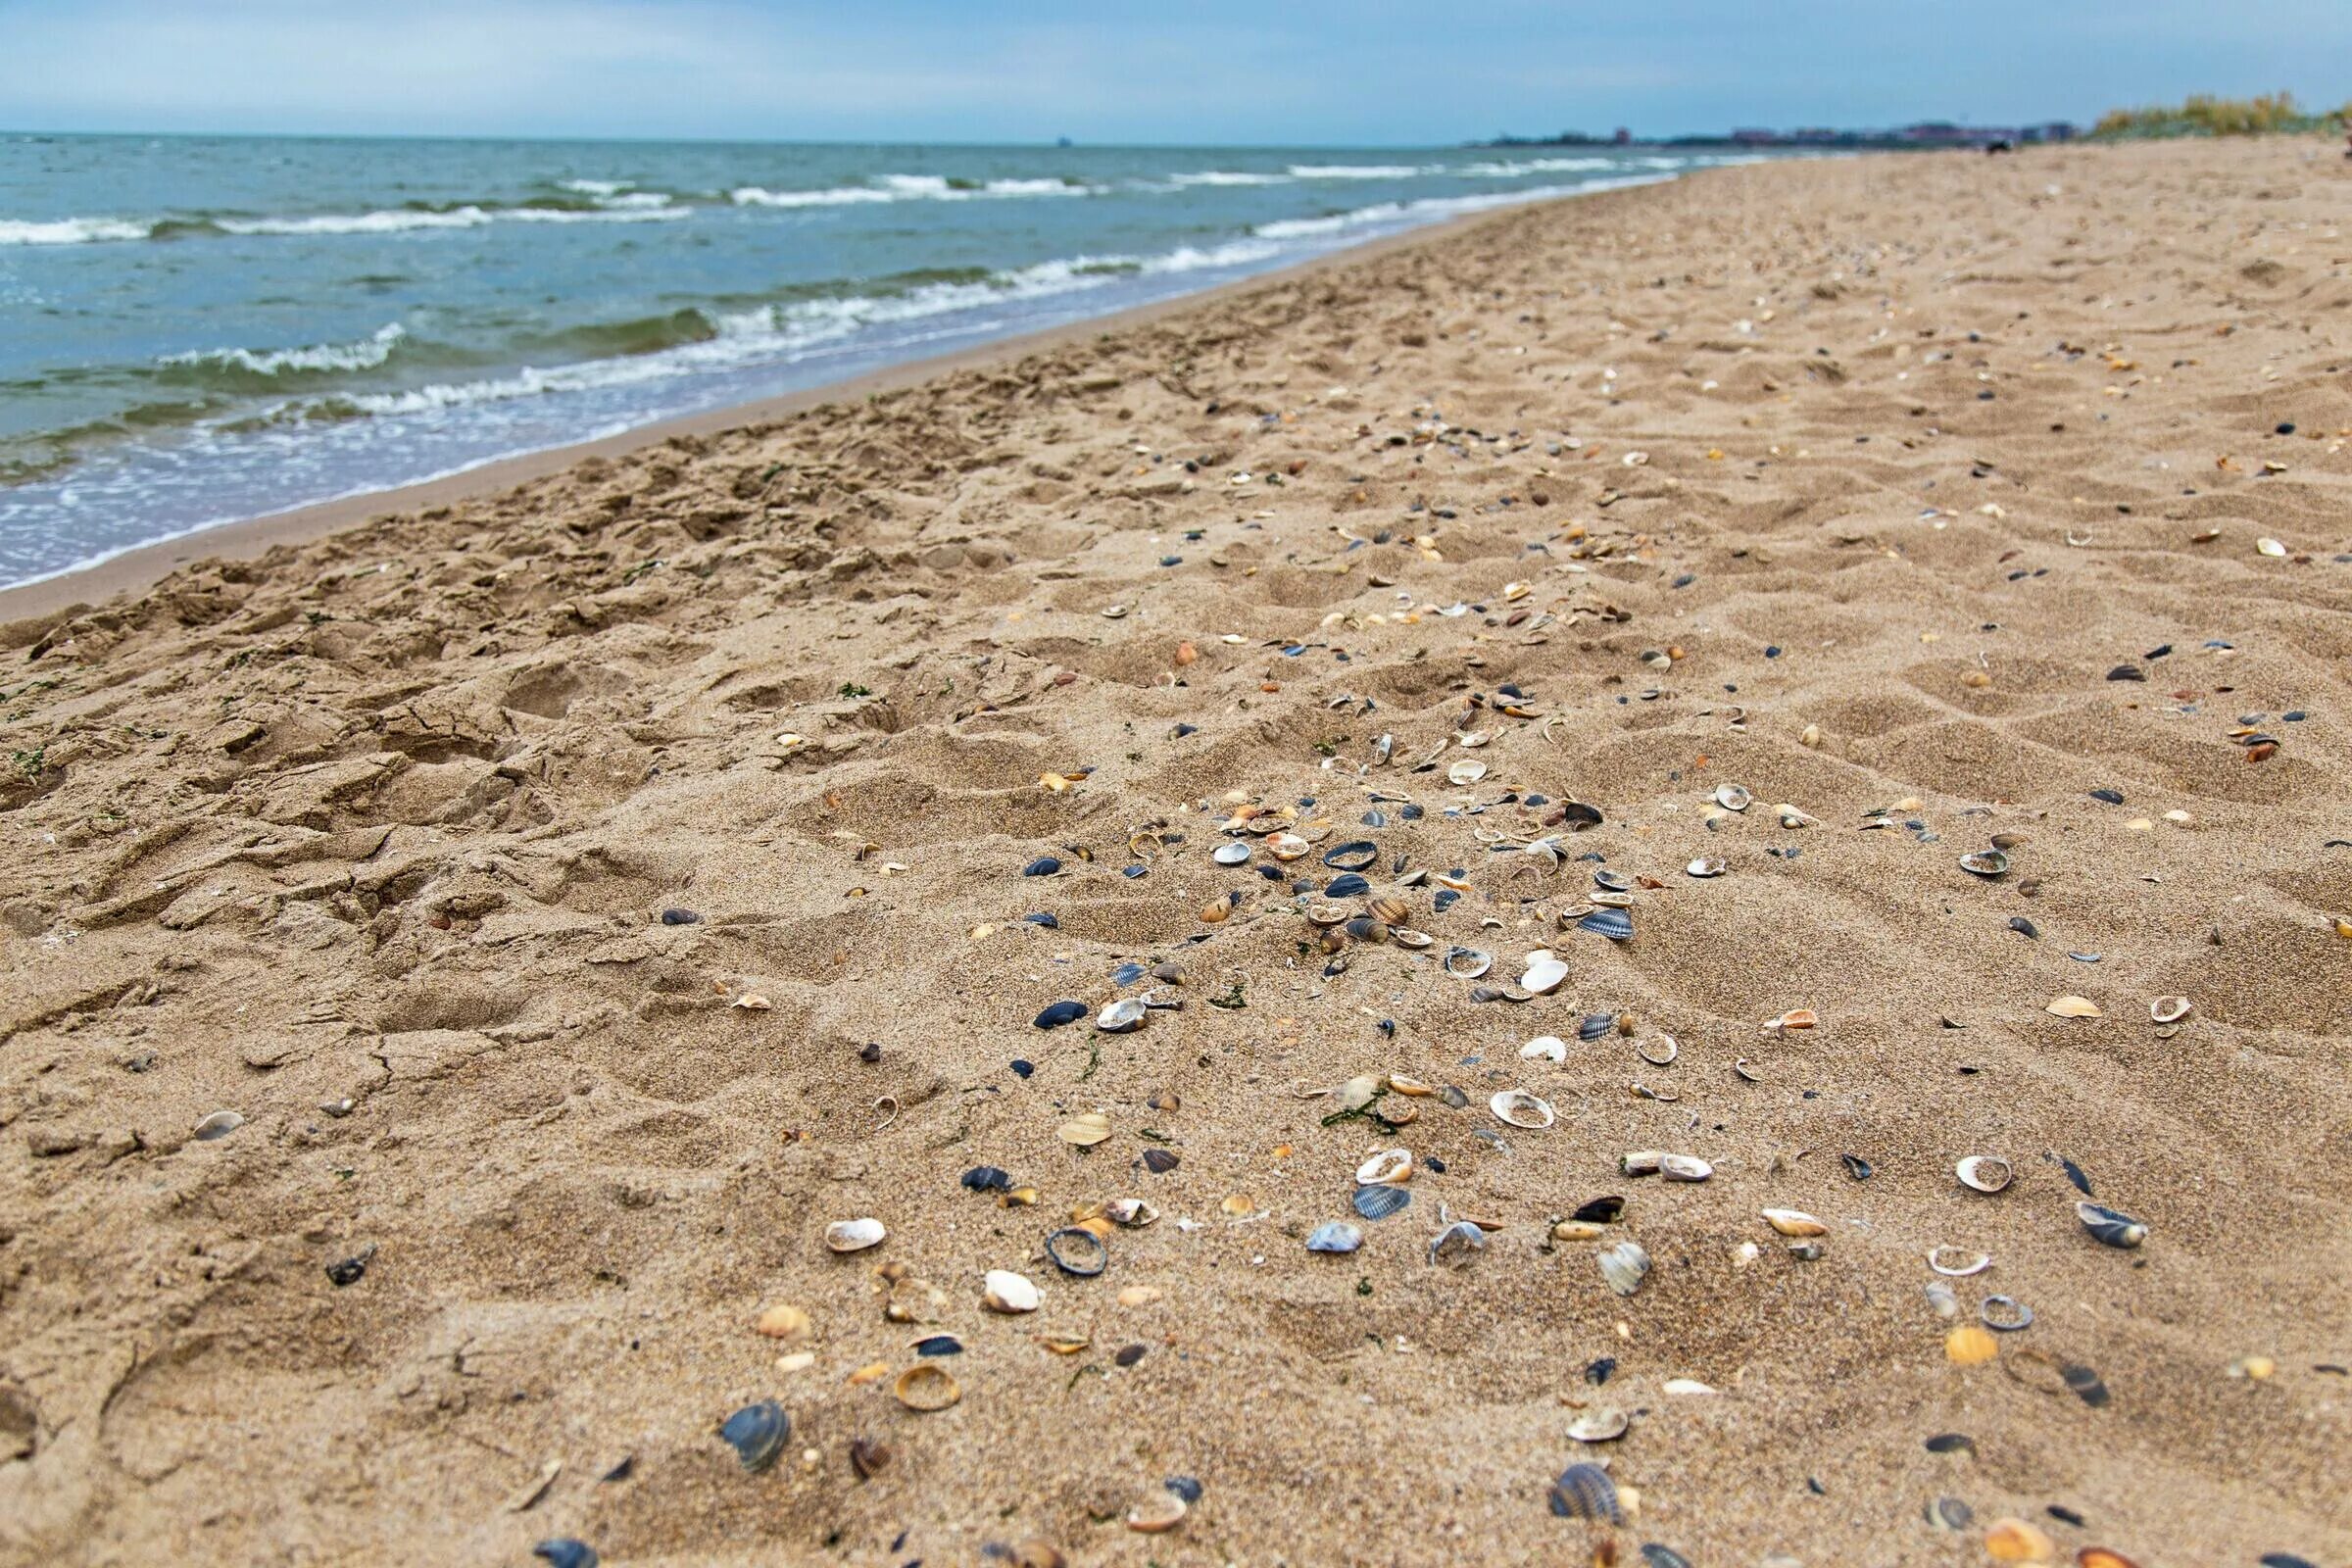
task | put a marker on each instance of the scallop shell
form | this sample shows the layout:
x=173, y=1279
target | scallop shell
x=1615, y=924
x=1386, y=1168
x=1335, y=1236
x=1379, y=1203
x=1732, y=798
x=758, y=1433
x=927, y=1385
x=1547, y=1047
x=854, y=1234
x=1457, y=1243
x=1004, y=1290
x=1794, y=1222
x=1586, y=1492
x=1984, y=1174
x=2109, y=1227
x=2170, y=1009
x=1624, y=1266
x=1543, y=973
x=1519, y=1108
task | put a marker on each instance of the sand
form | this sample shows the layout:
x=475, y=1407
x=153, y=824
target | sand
x=1855, y=484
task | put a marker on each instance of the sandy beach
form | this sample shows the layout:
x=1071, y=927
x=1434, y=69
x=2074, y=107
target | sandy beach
x=460, y=966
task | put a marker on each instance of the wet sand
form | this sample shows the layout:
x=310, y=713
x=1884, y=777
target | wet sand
x=1920, y=498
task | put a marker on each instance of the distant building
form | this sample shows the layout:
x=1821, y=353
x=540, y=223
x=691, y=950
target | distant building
x=1751, y=136
x=1624, y=137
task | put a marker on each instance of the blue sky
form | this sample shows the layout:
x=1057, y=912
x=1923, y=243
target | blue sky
x=1176, y=71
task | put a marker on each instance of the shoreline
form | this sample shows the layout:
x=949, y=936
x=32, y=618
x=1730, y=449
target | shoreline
x=96, y=583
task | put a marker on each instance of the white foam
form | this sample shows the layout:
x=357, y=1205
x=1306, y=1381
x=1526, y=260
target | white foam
x=404, y=219
x=1431, y=209
x=68, y=230
x=1225, y=176
x=902, y=188
x=364, y=355
x=1513, y=168
x=1354, y=171
x=597, y=187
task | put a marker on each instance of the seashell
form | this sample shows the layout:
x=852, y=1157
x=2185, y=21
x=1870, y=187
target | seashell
x=1657, y=1055
x=927, y=1385
x=1955, y=1264
x=1379, y=1203
x=2004, y=1315
x=2102, y=1557
x=1792, y=818
x=1076, y=1251
x=1578, y=817
x=1612, y=901
x=1615, y=924
x=1161, y=1162
x=1132, y=1213
x=1406, y=937
x=1683, y=1168
x=1547, y=1047
x=220, y=1124
x=1125, y=1014
x=1401, y=1084
x=1624, y=1266
x=1467, y=963
x=2110, y=1228
x=1642, y=1161
x=1059, y=1013
x=1330, y=913
x=1287, y=846
x=1467, y=771
x=1235, y=854
x=1043, y=865
x=938, y=1345
x=1944, y=1300
x=2015, y=1540
x=1577, y=1230
x=2170, y=1009
x=1732, y=796
x=1543, y=973
x=1984, y=1174
x=1795, y=1018
x=1518, y=1108
x=1794, y=1222
x=1357, y=854
x=1386, y=1168
x=1358, y=1091
x=1615, y=881
x=986, y=1179
x=1004, y=1290
x=1602, y=1211
x=785, y=1322
x=1985, y=863
x=854, y=1234
x=758, y=1433
x=1366, y=929
x=1158, y=1514
x=1456, y=1242
x=1686, y=1388
x=1970, y=1345
x=1706, y=865
x=1086, y=1130
x=2073, y=1008
x=565, y=1551
x=1586, y=1492
x=1605, y=1425
x=1334, y=1236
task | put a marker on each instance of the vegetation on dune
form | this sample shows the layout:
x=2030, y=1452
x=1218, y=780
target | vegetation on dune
x=2204, y=115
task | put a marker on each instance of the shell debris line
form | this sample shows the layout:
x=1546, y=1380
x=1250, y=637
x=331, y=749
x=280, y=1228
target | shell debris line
x=1062, y=963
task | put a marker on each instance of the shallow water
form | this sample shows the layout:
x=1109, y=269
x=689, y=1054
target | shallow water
x=199, y=329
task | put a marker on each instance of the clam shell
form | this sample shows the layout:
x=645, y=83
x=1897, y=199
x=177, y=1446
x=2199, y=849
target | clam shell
x=1287, y=846
x=1605, y=1425
x=1386, y=1168
x=2110, y=1227
x=1794, y=1222
x=220, y=1124
x=1379, y=1203
x=1235, y=854
x=854, y=1234
x=1086, y=1130
x=1357, y=854
x=758, y=1433
x=1543, y=973
x=1545, y=1047
x=1586, y=1492
x=1059, y=1013
x=1455, y=1244
x=2170, y=1009
x=1403, y=1085
x=1131, y=1212
x=1988, y=863
x=1335, y=1236
x=1641, y=1161
x=1706, y=865
x=927, y=1385
x=1004, y=1290
x=1624, y=1266
x=1576, y=816
x=1467, y=771
x=1158, y=1514
x=1406, y=937
x=1683, y=1168
x=1955, y=1264
x=1519, y=1108
x=1467, y=963
x=1119, y=1018
x=1984, y=1174
x=1074, y=1250
x=1615, y=881
x=1732, y=798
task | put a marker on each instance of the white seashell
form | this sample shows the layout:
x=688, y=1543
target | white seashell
x=1984, y=1174
x=1004, y=1290
x=854, y=1234
x=1123, y=1015
x=1544, y=972
x=1685, y=1386
x=1732, y=796
x=1683, y=1168
x=1598, y=1426
x=1624, y=1266
x=1519, y=1108
x=1545, y=1047
x=1387, y=1168
x=1705, y=865
x=1467, y=771
x=1287, y=846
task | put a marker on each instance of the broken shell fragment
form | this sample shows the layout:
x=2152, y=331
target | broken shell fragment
x=1794, y=1222
x=927, y=1385
x=1984, y=1174
x=854, y=1234
x=2169, y=1009
x=1158, y=1514
x=2073, y=1008
x=2110, y=1228
x=220, y=1124
x=1467, y=963
x=1455, y=1243
x=1131, y=1212
x=1953, y=1263
x=1519, y=1108
x=1624, y=1266
x=1389, y=1166
x=785, y=1322
x=1706, y=865
x=1074, y=1250
x=1334, y=1236
x=1544, y=1048
x=1359, y=855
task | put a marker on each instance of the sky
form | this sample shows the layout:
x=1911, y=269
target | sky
x=1199, y=72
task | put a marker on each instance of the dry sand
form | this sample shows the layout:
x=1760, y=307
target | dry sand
x=390, y=819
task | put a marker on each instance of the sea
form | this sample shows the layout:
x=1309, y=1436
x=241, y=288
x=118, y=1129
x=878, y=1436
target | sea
x=197, y=331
